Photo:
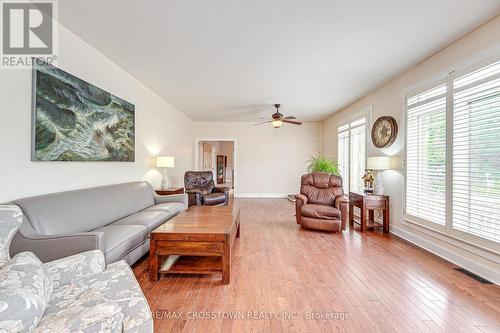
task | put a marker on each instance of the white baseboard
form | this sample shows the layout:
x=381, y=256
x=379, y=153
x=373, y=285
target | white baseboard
x=474, y=267
x=260, y=195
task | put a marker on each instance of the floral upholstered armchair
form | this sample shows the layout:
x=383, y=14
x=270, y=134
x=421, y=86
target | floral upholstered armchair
x=76, y=293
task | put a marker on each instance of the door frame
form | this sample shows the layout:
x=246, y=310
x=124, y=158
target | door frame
x=235, y=160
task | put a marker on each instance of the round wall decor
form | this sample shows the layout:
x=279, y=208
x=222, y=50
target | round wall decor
x=384, y=131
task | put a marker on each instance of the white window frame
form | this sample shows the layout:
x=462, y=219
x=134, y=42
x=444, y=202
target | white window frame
x=367, y=114
x=415, y=219
x=447, y=230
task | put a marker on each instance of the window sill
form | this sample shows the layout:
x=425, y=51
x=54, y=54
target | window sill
x=484, y=252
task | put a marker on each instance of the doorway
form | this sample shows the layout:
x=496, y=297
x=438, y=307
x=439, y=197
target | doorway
x=217, y=156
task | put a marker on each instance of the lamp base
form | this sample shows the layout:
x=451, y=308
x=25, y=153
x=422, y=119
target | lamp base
x=379, y=184
x=164, y=180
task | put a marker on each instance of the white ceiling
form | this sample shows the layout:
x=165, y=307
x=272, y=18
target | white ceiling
x=230, y=60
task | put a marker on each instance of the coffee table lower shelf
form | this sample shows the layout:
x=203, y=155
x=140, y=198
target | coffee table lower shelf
x=175, y=264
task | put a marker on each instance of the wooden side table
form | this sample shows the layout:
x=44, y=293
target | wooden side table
x=369, y=202
x=170, y=190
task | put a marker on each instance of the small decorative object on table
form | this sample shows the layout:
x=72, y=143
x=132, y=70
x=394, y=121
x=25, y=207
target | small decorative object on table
x=170, y=191
x=368, y=180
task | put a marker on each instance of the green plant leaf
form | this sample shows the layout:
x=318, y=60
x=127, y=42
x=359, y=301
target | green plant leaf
x=321, y=163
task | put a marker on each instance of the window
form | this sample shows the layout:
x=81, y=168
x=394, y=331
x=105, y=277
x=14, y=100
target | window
x=453, y=154
x=476, y=153
x=351, y=154
x=426, y=155
x=343, y=156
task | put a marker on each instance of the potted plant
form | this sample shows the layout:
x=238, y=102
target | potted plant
x=321, y=163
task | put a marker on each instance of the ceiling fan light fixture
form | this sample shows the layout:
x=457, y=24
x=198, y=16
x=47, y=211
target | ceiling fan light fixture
x=278, y=119
x=277, y=123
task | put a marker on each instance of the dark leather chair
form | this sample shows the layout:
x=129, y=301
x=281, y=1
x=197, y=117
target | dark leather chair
x=201, y=189
x=321, y=203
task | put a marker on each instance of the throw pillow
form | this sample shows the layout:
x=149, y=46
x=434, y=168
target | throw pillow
x=25, y=289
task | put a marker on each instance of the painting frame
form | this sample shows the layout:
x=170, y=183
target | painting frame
x=127, y=107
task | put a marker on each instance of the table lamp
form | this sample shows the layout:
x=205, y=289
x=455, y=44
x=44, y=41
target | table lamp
x=379, y=163
x=165, y=162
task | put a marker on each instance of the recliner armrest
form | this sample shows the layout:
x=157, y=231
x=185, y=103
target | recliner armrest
x=220, y=189
x=341, y=200
x=342, y=204
x=301, y=197
x=182, y=198
x=52, y=247
x=194, y=197
x=194, y=192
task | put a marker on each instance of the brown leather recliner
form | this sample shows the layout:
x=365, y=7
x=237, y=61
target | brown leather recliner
x=201, y=189
x=321, y=204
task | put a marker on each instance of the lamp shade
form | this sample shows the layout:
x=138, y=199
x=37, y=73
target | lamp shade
x=378, y=163
x=165, y=161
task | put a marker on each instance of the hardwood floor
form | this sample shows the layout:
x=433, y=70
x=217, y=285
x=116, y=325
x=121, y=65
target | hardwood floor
x=287, y=279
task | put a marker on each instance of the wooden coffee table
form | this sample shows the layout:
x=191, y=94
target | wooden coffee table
x=197, y=241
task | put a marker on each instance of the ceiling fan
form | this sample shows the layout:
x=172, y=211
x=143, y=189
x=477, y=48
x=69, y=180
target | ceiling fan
x=278, y=119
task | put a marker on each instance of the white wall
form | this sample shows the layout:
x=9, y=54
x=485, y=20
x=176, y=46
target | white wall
x=389, y=100
x=226, y=148
x=268, y=161
x=160, y=129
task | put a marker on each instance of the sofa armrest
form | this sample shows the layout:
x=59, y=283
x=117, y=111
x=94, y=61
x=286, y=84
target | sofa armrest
x=342, y=204
x=182, y=198
x=70, y=269
x=52, y=247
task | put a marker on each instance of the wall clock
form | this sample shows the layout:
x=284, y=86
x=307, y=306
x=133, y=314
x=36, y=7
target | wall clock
x=384, y=132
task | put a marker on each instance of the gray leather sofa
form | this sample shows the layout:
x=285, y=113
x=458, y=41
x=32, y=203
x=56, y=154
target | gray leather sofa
x=116, y=219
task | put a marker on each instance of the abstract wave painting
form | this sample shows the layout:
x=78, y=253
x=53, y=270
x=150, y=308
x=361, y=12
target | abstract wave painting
x=74, y=120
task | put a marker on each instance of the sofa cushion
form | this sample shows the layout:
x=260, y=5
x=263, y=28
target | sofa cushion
x=119, y=239
x=320, y=211
x=25, y=290
x=69, y=270
x=105, y=317
x=151, y=219
x=87, y=209
x=321, y=224
x=116, y=284
x=173, y=207
x=11, y=218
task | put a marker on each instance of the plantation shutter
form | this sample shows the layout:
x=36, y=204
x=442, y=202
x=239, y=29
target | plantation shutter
x=357, y=154
x=476, y=153
x=343, y=155
x=426, y=155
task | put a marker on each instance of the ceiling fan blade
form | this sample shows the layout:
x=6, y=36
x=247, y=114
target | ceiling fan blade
x=292, y=122
x=264, y=122
x=290, y=117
